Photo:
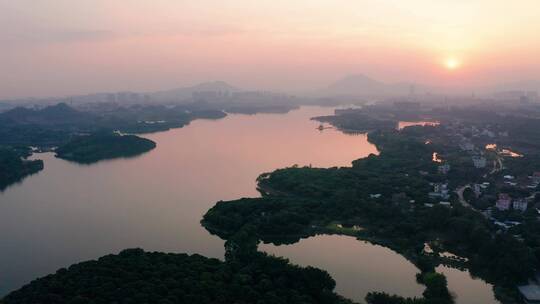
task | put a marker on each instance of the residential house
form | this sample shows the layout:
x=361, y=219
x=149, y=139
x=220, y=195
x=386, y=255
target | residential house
x=504, y=202
x=466, y=146
x=536, y=177
x=479, y=162
x=444, y=169
x=477, y=188
x=520, y=204
x=440, y=191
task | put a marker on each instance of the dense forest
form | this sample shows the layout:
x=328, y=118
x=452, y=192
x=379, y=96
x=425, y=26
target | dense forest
x=55, y=125
x=259, y=108
x=357, y=122
x=386, y=195
x=93, y=148
x=14, y=166
x=135, y=276
x=62, y=125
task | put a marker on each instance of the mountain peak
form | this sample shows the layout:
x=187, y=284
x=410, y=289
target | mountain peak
x=357, y=84
x=362, y=85
x=358, y=78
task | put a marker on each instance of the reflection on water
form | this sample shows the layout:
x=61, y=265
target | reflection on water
x=404, y=124
x=510, y=153
x=68, y=213
x=466, y=289
x=358, y=267
x=504, y=152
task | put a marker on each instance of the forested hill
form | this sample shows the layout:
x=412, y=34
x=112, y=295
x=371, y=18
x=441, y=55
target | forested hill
x=135, y=276
x=93, y=148
x=14, y=166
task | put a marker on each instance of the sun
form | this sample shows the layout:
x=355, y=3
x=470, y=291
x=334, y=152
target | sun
x=452, y=63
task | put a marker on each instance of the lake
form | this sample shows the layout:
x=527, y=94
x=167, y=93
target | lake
x=360, y=267
x=70, y=213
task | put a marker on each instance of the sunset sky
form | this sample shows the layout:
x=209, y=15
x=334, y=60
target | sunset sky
x=59, y=47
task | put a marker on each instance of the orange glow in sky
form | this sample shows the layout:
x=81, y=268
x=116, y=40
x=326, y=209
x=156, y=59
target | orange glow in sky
x=55, y=47
x=452, y=63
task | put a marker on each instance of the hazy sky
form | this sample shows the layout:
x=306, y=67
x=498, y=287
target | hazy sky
x=57, y=47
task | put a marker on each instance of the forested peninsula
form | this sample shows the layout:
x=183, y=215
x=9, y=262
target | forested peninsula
x=136, y=276
x=14, y=165
x=88, y=149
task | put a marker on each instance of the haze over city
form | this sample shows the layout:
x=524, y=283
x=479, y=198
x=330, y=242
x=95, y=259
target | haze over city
x=270, y=152
x=58, y=47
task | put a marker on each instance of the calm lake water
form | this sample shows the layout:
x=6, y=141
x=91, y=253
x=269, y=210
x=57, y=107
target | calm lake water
x=70, y=213
x=360, y=267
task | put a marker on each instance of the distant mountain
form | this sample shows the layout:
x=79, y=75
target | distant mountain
x=529, y=85
x=51, y=115
x=186, y=92
x=362, y=85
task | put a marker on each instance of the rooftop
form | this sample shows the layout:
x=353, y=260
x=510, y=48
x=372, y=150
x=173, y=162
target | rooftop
x=530, y=292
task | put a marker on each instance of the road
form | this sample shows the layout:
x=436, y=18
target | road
x=462, y=200
x=497, y=165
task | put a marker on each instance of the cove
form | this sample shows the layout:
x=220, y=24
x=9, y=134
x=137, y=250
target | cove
x=70, y=213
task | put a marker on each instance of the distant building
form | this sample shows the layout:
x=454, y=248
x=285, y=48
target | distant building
x=532, y=95
x=122, y=97
x=260, y=96
x=504, y=202
x=536, y=177
x=134, y=97
x=110, y=97
x=488, y=133
x=412, y=90
x=444, y=169
x=400, y=197
x=520, y=204
x=407, y=106
x=517, y=95
x=210, y=96
x=477, y=188
x=479, y=162
x=439, y=191
x=466, y=146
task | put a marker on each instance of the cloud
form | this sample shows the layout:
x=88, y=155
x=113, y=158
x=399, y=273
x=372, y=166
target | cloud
x=40, y=36
x=28, y=37
x=81, y=35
